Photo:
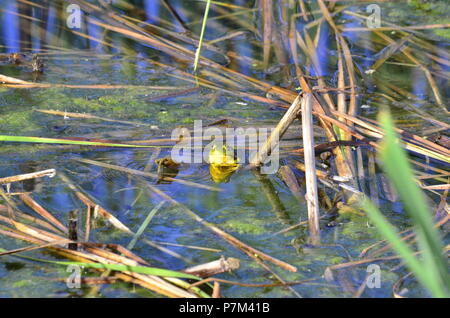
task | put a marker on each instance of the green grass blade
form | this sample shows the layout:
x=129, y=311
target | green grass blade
x=144, y=225
x=67, y=142
x=202, y=34
x=402, y=249
x=136, y=269
x=116, y=267
x=397, y=168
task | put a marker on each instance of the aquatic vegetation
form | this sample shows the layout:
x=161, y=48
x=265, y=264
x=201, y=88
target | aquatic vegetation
x=432, y=269
x=245, y=225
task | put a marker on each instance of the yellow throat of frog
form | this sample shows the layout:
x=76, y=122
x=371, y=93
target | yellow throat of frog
x=220, y=156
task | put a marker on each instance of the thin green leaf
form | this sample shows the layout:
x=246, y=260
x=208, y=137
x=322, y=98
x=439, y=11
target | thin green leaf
x=116, y=267
x=398, y=169
x=68, y=142
x=202, y=34
x=144, y=225
x=402, y=249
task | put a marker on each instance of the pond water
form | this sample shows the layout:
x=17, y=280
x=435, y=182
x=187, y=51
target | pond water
x=250, y=207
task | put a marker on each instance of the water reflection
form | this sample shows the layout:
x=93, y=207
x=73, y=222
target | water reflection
x=322, y=52
x=10, y=27
x=152, y=10
x=419, y=84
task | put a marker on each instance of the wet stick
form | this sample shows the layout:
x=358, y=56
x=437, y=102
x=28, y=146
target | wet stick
x=266, y=7
x=397, y=28
x=21, y=177
x=73, y=233
x=278, y=132
x=310, y=169
x=11, y=205
x=28, y=200
x=11, y=80
x=4, y=210
x=216, y=290
x=303, y=10
x=87, y=231
x=33, y=247
x=221, y=265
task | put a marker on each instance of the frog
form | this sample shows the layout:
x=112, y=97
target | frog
x=15, y=58
x=167, y=167
x=222, y=163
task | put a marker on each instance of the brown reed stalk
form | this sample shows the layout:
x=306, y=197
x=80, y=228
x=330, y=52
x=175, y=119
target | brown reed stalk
x=310, y=170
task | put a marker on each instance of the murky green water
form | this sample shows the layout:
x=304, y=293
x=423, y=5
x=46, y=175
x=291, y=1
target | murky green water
x=244, y=208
